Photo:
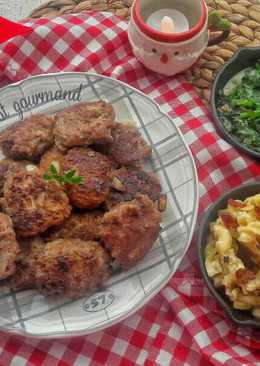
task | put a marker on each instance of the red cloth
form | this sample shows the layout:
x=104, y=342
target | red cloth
x=9, y=29
x=183, y=324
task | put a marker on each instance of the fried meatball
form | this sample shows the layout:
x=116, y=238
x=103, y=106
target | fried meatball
x=85, y=226
x=94, y=168
x=28, y=139
x=71, y=267
x=9, y=165
x=130, y=230
x=34, y=204
x=84, y=124
x=52, y=156
x=4, y=167
x=128, y=146
x=9, y=248
x=24, y=276
x=127, y=182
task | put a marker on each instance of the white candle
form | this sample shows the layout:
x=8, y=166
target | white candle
x=160, y=21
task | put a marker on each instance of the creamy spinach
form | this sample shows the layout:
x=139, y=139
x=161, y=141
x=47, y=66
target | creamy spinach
x=239, y=107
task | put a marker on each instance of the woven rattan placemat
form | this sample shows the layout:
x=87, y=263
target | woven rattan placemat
x=244, y=16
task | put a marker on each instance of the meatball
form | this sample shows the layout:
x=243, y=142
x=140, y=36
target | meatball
x=52, y=156
x=4, y=167
x=25, y=263
x=9, y=165
x=71, y=267
x=130, y=230
x=127, y=182
x=84, y=124
x=94, y=168
x=34, y=204
x=85, y=226
x=28, y=139
x=9, y=248
x=128, y=146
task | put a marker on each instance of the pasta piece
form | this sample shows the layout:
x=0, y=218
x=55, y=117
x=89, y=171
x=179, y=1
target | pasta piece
x=223, y=238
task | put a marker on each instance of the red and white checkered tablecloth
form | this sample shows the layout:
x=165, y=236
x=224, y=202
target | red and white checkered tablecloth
x=183, y=324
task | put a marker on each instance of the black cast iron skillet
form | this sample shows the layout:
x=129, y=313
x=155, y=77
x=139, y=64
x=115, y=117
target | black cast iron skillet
x=242, y=318
x=243, y=58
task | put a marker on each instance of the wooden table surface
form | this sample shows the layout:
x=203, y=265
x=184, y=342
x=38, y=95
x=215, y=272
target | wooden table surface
x=18, y=9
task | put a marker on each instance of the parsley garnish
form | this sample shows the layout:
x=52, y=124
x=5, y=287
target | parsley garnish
x=68, y=177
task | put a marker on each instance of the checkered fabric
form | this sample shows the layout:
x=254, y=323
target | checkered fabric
x=182, y=325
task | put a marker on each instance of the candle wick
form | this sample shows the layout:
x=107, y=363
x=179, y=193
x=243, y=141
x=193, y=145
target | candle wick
x=167, y=25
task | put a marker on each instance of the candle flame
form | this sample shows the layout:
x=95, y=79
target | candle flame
x=167, y=25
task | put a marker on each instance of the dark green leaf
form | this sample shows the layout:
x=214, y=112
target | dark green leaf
x=47, y=177
x=53, y=169
x=70, y=173
x=76, y=180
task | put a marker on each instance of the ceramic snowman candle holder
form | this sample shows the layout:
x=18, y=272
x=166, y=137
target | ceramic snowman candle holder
x=168, y=36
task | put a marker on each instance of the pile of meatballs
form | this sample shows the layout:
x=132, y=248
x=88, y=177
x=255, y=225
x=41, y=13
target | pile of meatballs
x=67, y=239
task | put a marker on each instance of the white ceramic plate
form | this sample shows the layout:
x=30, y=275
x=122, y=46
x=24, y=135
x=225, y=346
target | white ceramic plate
x=29, y=313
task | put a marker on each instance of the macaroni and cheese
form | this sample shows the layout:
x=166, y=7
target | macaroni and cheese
x=232, y=254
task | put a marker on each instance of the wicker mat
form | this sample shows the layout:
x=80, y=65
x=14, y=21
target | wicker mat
x=243, y=14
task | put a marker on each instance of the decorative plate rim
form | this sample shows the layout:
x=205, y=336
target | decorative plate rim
x=146, y=299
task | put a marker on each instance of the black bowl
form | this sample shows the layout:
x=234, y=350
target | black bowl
x=240, y=317
x=243, y=58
